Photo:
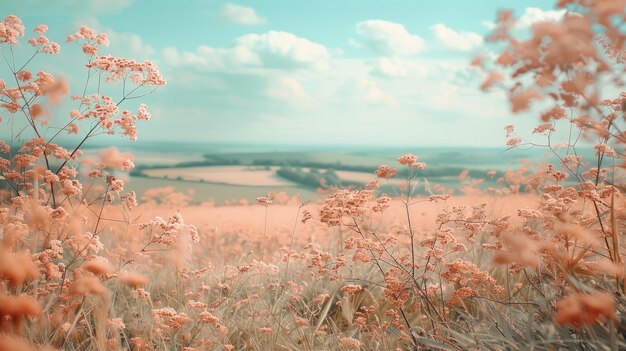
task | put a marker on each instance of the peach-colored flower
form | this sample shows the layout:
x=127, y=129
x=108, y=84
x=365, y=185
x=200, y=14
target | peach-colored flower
x=133, y=280
x=98, y=267
x=14, y=343
x=352, y=288
x=349, y=343
x=24, y=75
x=407, y=159
x=266, y=330
x=16, y=268
x=264, y=200
x=40, y=29
x=492, y=79
x=579, y=309
x=386, y=172
x=87, y=285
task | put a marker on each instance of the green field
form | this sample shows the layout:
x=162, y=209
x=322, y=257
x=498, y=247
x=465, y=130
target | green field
x=226, y=173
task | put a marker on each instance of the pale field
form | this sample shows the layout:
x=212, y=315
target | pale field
x=362, y=177
x=151, y=158
x=230, y=233
x=214, y=192
x=233, y=175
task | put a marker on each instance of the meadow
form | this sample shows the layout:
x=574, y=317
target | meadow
x=211, y=176
x=185, y=246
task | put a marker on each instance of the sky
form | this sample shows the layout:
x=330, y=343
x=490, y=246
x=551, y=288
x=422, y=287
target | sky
x=325, y=72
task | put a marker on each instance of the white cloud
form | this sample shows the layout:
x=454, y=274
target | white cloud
x=459, y=41
x=373, y=94
x=491, y=25
x=395, y=67
x=533, y=15
x=388, y=38
x=241, y=15
x=254, y=104
x=280, y=48
x=286, y=88
x=389, y=68
x=130, y=44
x=273, y=49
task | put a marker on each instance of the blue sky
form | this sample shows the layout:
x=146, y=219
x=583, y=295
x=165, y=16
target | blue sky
x=392, y=73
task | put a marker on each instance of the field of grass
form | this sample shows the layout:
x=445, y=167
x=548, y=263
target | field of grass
x=455, y=261
x=220, y=193
x=231, y=175
x=250, y=177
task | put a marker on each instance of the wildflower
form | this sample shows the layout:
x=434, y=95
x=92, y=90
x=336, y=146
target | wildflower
x=460, y=294
x=140, y=343
x=352, y=288
x=14, y=309
x=207, y=318
x=542, y=128
x=407, y=159
x=382, y=203
x=90, y=50
x=435, y=198
x=24, y=75
x=579, y=310
x=14, y=343
x=513, y=141
x=418, y=165
x=72, y=128
x=16, y=268
x=198, y=305
x=321, y=298
x=555, y=113
x=373, y=185
x=509, y=129
x=51, y=49
x=603, y=149
x=266, y=330
x=349, y=344
x=344, y=203
x=98, y=267
x=40, y=29
x=264, y=200
x=145, y=73
x=222, y=330
x=477, y=61
x=133, y=280
x=386, y=172
x=140, y=293
x=306, y=216
x=492, y=79
x=112, y=158
x=96, y=173
x=116, y=185
x=87, y=285
x=301, y=322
